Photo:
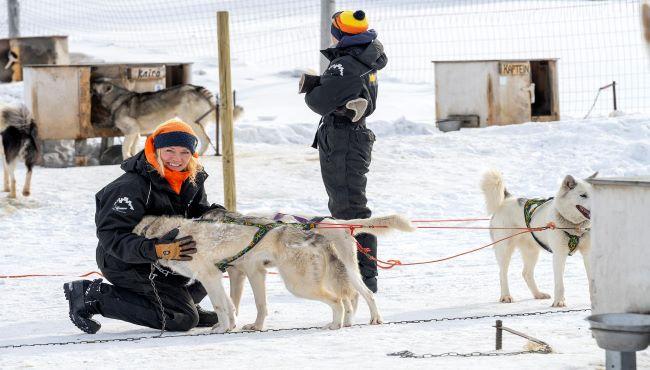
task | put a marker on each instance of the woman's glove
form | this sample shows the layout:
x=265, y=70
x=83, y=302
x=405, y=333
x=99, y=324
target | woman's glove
x=170, y=248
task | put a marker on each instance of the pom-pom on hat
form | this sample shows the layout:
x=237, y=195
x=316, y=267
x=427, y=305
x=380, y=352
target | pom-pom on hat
x=348, y=22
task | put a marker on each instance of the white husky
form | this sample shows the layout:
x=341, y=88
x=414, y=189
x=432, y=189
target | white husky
x=569, y=211
x=319, y=263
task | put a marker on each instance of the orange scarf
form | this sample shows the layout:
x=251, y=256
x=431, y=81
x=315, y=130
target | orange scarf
x=174, y=178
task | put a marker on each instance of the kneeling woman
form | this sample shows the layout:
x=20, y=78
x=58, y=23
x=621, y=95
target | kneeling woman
x=164, y=179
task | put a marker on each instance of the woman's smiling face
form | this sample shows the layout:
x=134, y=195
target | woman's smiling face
x=175, y=158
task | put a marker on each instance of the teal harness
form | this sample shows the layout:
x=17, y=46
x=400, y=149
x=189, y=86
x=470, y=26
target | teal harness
x=529, y=209
x=263, y=229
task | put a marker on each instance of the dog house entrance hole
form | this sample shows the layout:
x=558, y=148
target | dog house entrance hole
x=541, y=77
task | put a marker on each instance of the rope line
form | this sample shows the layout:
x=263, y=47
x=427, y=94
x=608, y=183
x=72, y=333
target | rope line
x=47, y=275
x=389, y=264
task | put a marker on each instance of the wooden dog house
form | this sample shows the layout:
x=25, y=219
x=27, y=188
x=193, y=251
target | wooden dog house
x=497, y=92
x=17, y=52
x=62, y=103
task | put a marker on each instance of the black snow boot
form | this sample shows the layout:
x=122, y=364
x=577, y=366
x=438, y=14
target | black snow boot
x=367, y=266
x=81, y=304
x=206, y=318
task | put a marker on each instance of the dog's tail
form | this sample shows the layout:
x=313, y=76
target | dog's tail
x=376, y=225
x=493, y=190
x=208, y=95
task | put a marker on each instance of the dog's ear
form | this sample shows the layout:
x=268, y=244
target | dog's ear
x=569, y=183
x=593, y=176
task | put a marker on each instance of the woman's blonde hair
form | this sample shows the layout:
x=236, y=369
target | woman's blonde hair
x=193, y=166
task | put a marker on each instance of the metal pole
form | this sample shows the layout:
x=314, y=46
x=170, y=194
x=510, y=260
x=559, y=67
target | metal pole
x=499, y=338
x=326, y=10
x=614, y=90
x=217, y=135
x=13, y=18
x=225, y=112
x=615, y=360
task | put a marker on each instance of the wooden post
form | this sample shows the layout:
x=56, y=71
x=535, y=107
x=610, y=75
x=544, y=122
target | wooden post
x=225, y=112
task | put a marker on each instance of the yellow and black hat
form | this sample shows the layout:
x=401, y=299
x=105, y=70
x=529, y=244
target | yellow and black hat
x=348, y=22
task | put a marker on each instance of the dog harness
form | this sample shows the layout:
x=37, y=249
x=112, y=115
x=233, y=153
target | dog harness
x=263, y=229
x=530, y=207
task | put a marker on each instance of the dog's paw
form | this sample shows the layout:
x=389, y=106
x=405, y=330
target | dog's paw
x=541, y=295
x=333, y=326
x=559, y=303
x=252, y=327
x=220, y=328
x=506, y=299
x=376, y=320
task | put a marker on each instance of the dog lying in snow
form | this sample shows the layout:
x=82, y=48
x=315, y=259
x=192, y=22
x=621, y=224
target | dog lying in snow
x=570, y=208
x=319, y=263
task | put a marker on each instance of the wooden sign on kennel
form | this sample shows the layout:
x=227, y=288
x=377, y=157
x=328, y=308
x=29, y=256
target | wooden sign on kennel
x=497, y=92
x=17, y=52
x=61, y=99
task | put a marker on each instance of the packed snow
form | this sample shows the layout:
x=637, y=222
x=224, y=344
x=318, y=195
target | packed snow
x=416, y=170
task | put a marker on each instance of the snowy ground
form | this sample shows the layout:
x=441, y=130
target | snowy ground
x=416, y=170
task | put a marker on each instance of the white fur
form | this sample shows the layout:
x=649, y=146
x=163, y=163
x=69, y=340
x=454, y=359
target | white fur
x=508, y=212
x=319, y=264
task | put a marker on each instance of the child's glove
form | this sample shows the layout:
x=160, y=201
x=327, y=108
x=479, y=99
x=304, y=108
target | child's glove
x=358, y=106
x=307, y=83
x=170, y=248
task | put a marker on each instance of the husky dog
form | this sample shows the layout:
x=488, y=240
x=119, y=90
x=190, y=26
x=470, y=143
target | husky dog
x=569, y=211
x=139, y=113
x=19, y=135
x=317, y=263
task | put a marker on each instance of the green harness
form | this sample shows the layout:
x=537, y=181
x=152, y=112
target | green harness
x=261, y=232
x=529, y=209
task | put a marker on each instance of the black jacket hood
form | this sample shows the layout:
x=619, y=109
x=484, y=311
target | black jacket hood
x=364, y=47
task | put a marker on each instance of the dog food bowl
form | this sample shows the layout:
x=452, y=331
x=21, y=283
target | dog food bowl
x=446, y=125
x=623, y=332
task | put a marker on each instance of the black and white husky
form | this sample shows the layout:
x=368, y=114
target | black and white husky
x=19, y=134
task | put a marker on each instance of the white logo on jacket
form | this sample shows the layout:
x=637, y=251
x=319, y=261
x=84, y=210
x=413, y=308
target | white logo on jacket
x=122, y=205
x=338, y=66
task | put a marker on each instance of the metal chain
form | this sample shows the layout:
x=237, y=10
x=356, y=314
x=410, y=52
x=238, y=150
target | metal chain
x=409, y=354
x=402, y=322
x=152, y=276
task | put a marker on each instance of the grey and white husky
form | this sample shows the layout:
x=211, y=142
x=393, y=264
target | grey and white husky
x=140, y=113
x=569, y=211
x=318, y=263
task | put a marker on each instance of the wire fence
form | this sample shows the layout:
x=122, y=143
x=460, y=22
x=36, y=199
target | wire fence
x=596, y=41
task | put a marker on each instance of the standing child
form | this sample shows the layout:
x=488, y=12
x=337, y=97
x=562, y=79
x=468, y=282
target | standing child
x=344, y=95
